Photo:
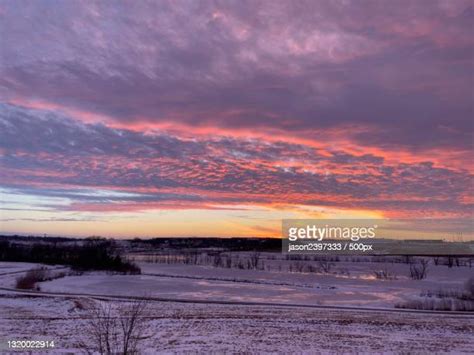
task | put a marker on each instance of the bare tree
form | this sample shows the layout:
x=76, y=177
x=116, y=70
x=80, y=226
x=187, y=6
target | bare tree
x=217, y=260
x=115, y=330
x=228, y=261
x=101, y=330
x=132, y=326
x=254, y=259
x=452, y=260
x=469, y=285
x=419, y=271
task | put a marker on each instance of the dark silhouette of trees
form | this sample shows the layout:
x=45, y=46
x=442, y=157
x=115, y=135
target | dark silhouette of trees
x=91, y=254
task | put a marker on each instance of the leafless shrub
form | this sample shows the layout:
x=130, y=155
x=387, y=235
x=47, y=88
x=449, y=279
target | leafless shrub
x=443, y=300
x=298, y=266
x=228, y=262
x=443, y=304
x=455, y=294
x=419, y=271
x=325, y=266
x=452, y=261
x=344, y=271
x=217, y=260
x=115, y=330
x=29, y=280
x=254, y=260
x=384, y=274
x=469, y=286
x=78, y=304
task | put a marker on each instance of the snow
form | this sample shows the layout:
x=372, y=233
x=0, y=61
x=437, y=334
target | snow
x=181, y=327
x=193, y=282
x=9, y=271
x=10, y=267
x=176, y=327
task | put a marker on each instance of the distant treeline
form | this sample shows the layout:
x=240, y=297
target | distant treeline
x=41, y=238
x=232, y=244
x=89, y=255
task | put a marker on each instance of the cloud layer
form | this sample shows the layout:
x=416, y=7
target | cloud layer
x=131, y=106
x=401, y=70
x=52, y=155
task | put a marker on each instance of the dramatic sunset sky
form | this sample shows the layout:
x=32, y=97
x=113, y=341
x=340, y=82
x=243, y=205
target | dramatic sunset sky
x=220, y=118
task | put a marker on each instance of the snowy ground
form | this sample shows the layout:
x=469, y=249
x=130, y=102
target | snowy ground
x=7, y=268
x=178, y=327
x=192, y=282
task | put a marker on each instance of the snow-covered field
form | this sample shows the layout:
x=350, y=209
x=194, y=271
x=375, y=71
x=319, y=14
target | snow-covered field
x=195, y=327
x=8, y=268
x=194, y=282
x=187, y=327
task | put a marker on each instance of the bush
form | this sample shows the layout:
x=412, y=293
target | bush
x=384, y=274
x=443, y=300
x=469, y=286
x=443, y=304
x=419, y=271
x=29, y=280
x=455, y=294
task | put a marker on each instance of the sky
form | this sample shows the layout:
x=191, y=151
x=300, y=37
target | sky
x=221, y=118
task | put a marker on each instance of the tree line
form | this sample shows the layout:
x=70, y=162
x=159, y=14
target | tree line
x=97, y=254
